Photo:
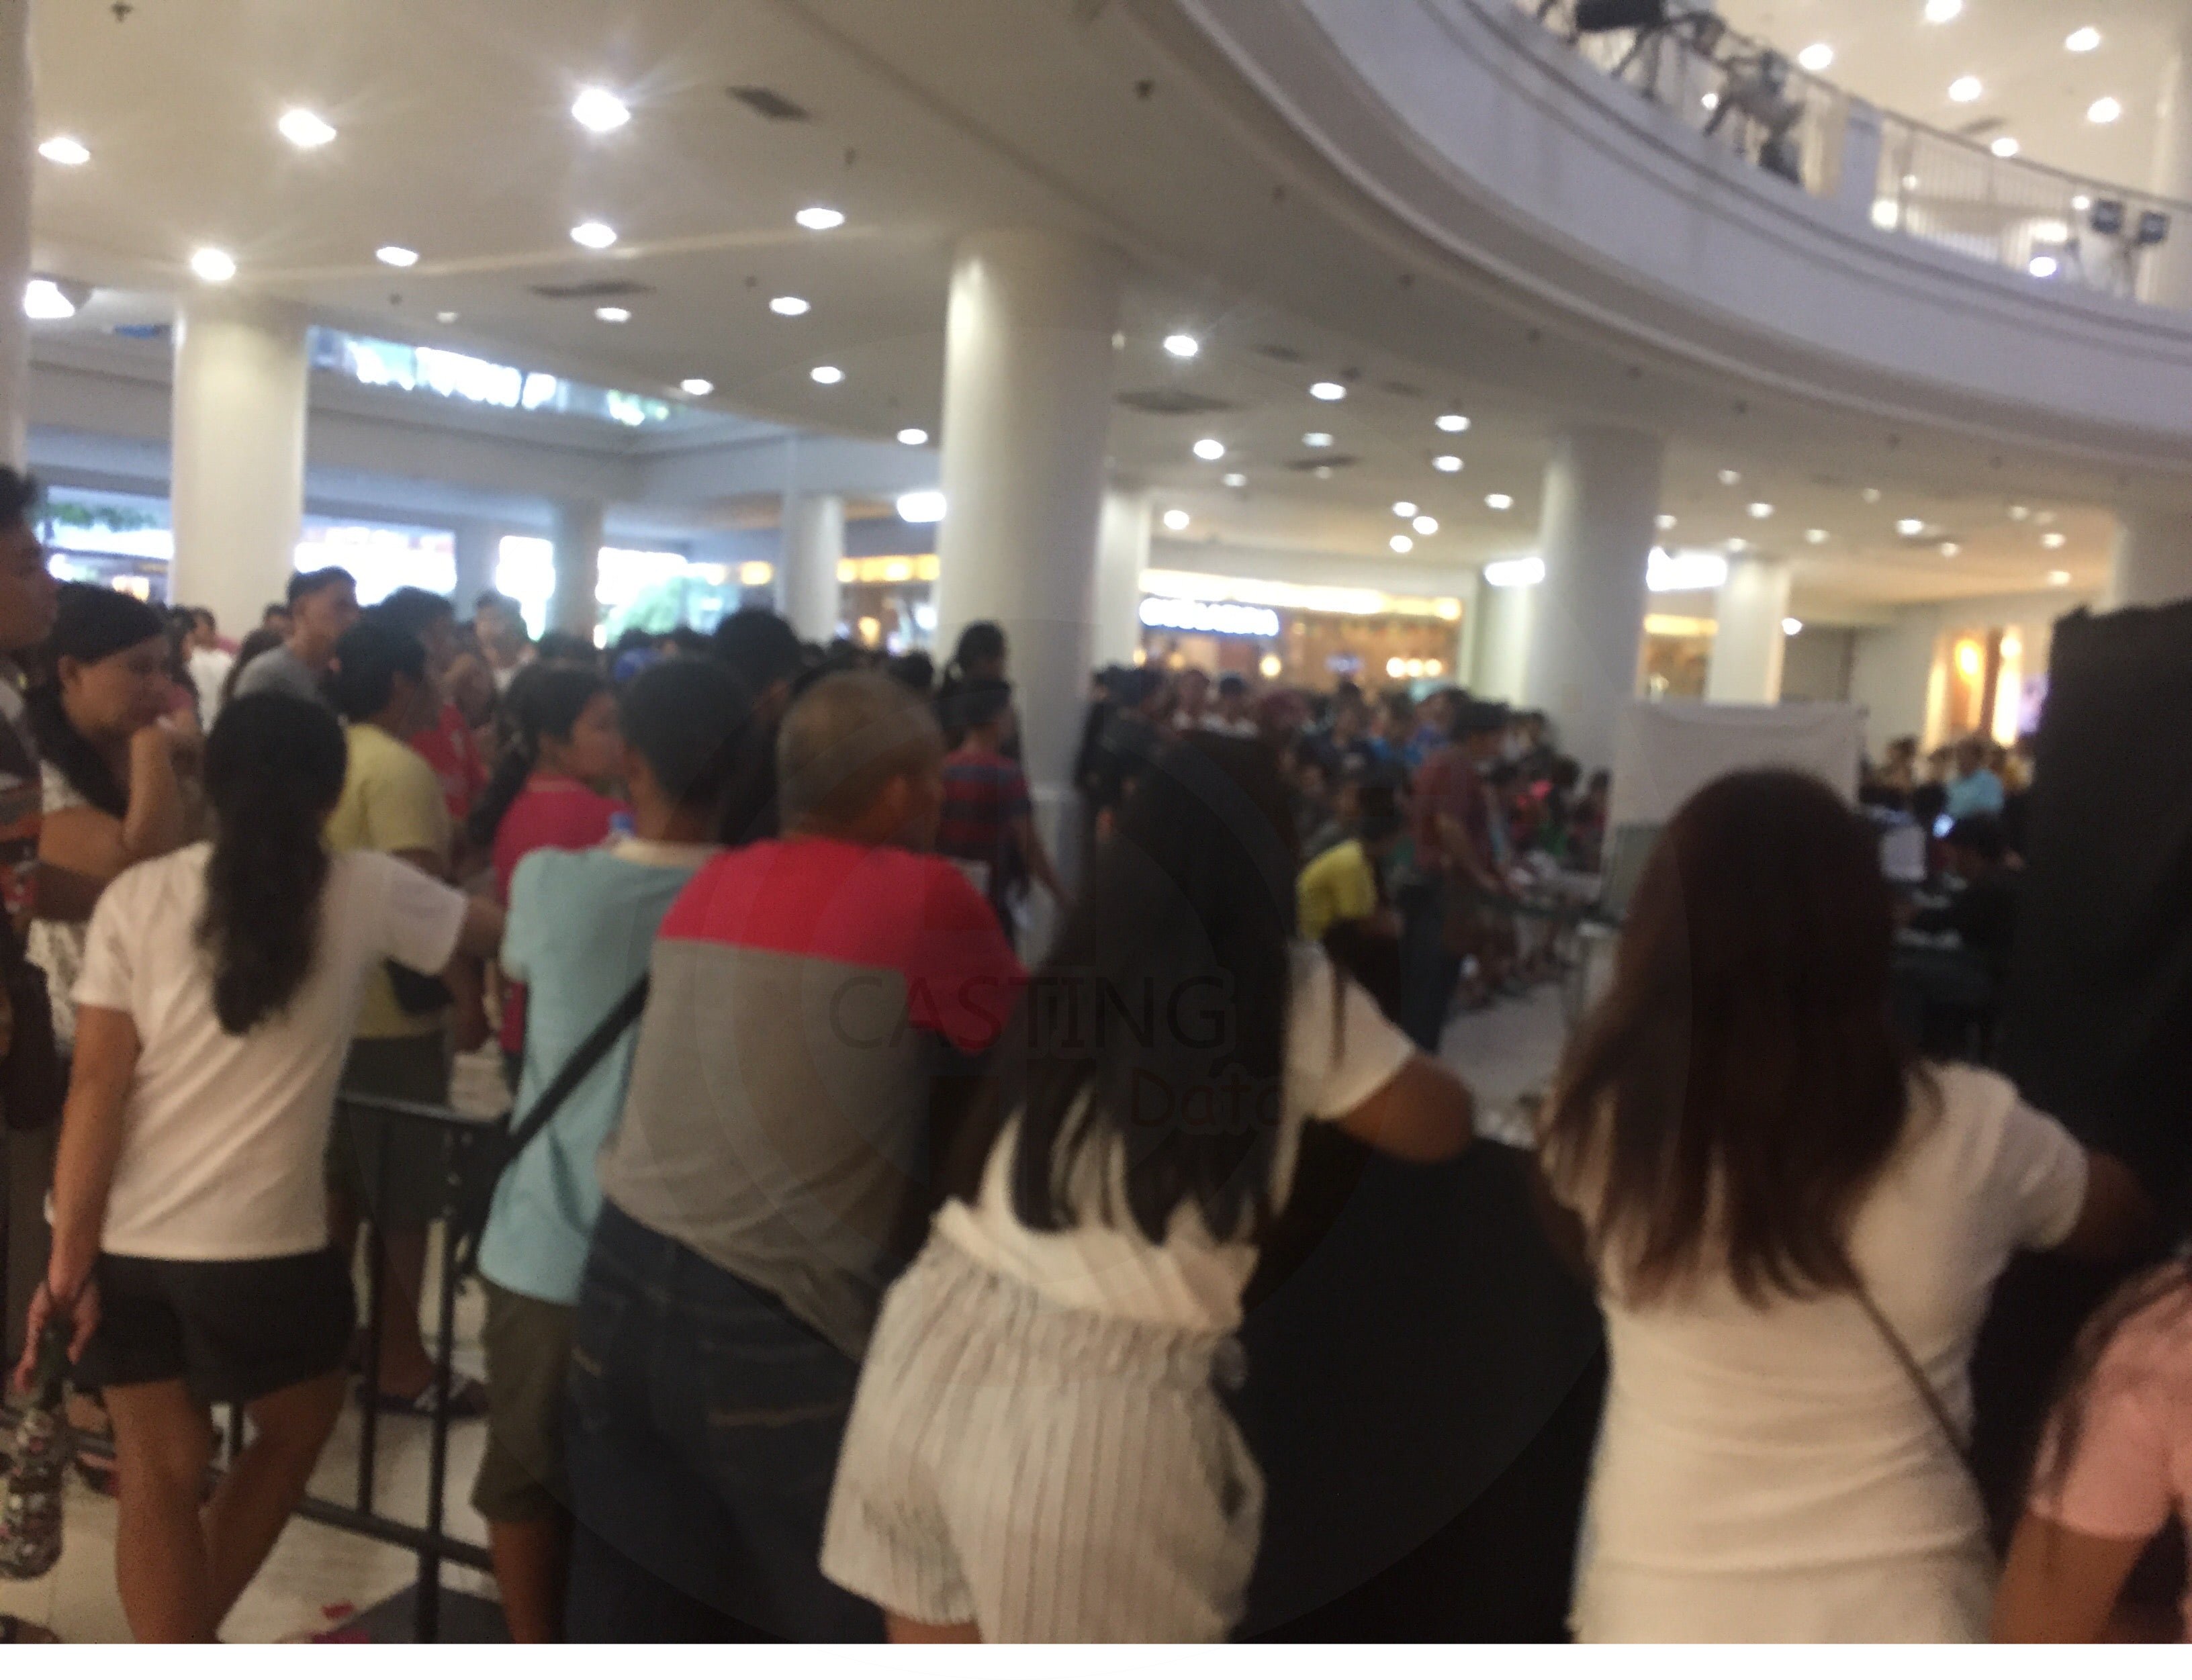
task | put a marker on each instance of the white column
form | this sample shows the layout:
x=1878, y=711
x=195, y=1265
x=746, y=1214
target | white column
x=479, y=551
x=1601, y=500
x=1122, y=555
x=18, y=159
x=2152, y=565
x=576, y=607
x=806, y=586
x=2167, y=275
x=1499, y=646
x=1749, y=644
x=1027, y=409
x=237, y=479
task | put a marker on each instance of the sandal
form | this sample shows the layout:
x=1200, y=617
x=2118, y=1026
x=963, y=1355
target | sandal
x=467, y=1401
x=14, y=1630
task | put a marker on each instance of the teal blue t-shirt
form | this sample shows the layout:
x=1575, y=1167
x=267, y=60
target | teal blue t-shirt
x=581, y=931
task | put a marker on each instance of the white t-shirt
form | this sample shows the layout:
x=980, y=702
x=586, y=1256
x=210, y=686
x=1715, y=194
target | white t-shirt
x=1756, y=1441
x=1336, y=1060
x=223, y=1143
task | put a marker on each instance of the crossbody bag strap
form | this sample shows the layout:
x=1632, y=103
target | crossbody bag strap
x=1918, y=1380
x=583, y=1060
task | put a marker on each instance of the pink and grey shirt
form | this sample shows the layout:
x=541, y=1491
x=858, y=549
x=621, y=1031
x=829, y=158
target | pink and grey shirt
x=776, y=1123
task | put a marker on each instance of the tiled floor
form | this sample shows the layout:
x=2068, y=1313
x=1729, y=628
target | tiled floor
x=314, y=1573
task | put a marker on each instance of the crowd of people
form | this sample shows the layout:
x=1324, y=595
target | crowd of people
x=850, y=1279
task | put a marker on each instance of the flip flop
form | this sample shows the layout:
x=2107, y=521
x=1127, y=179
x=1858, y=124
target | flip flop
x=467, y=1401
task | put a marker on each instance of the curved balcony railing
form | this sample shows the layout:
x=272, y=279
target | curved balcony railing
x=1945, y=189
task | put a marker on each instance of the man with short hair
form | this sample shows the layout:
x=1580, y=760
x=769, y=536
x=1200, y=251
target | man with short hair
x=771, y=1175
x=323, y=609
x=1231, y=718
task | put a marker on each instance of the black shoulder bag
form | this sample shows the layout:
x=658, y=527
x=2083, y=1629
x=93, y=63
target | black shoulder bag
x=491, y=1157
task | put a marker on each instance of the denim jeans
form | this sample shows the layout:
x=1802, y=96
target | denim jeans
x=1429, y=972
x=703, y=1426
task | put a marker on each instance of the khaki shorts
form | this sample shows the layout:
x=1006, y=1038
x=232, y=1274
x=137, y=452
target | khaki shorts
x=529, y=1352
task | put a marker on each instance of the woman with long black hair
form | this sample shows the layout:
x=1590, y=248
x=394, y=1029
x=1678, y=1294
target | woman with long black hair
x=1038, y=1450
x=189, y=1245
x=1794, y=1227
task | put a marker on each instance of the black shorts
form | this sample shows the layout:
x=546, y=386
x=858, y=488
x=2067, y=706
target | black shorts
x=233, y=1331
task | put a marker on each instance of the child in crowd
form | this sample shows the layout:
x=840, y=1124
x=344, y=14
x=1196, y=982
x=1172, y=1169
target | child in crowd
x=1795, y=1228
x=988, y=820
x=2116, y=1468
x=191, y=1247
x=582, y=926
x=1039, y=1450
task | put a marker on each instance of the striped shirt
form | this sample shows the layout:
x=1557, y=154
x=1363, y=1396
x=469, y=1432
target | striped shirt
x=984, y=794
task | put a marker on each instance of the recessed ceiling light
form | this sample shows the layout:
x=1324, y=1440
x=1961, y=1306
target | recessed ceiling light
x=43, y=300
x=1326, y=390
x=1402, y=544
x=614, y=314
x=1736, y=545
x=1761, y=510
x=1316, y=439
x=599, y=109
x=306, y=130
x=1943, y=11
x=1730, y=477
x=66, y=151
x=1176, y=519
x=1871, y=495
x=1818, y=58
x=1966, y=88
x=1234, y=481
x=913, y=437
x=921, y=507
x=2104, y=110
x=1910, y=528
x=2082, y=40
x=1209, y=449
x=1404, y=509
x=1446, y=462
x=1950, y=550
x=827, y=375
x=697, y=387
x=2043, y=267
x=788, y=305
x=1321, y=471
x=1709, y=99
x=1815, y=537
x=2005, y=145
x=1184, y=346
x=2058, y=579
x=594, y=236
x=2053, y=539
x=1667, y=521
x=213, y=265
x=819, y=219
x=1452, y=423
x=1498, y=503
x=1792, y=627
x=1425, y=524
x=448, y=317
x=396, y=256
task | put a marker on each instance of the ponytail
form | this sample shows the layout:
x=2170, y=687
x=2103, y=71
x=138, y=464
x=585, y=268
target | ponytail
x=545, y=703
x=274, y=770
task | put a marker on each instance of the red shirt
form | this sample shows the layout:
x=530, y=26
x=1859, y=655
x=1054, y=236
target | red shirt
x=448, y=744
x=553, y=813
x=1449, y=785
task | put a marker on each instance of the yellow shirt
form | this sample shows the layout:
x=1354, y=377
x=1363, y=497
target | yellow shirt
x=391, y=801
x=1339, y=886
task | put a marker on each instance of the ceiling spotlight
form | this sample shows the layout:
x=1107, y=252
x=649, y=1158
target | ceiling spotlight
x=1446, y=464
x=1209, y=449
x=1234, y=481
x=1966, y=88
x=1666, y=521
x=697, y=387
x=913, y=437
x=1761, y=510
x=1452, y=423
x=1730, y=477
x=1425, y=524
x=612, y=313
x=306, y=130
x=1792, y=627
x=594, y=236
x=1871, y=495
x=1183, y=345
x=599, y=109
x=2104, y=110
x=819, y=219
x=1324, y=390
x=213, y=265
x=1497, y=502
x=2043, y=267
x=1404, y=509
x=1709, y=99
x=2057, y=580
x=2053, y=539
x=788, y=305
x=1910, y=528
x=1402, y=544
x=45, y=300
x=66, y=151
x=1950, y=550
x=2082, y=40
x=921, y=507
x=827, y=375
x=1818, y=58
x=2005, y=147
x=396, y=256
x=1815, y=537
x=1515, y=574
x=1943, y=11
x=1316, y=439
x=448, y=317
x=1176, y=519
